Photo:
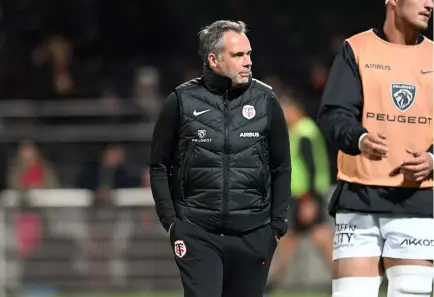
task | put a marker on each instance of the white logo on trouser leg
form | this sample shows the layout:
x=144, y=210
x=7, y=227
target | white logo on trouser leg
x=180, y=248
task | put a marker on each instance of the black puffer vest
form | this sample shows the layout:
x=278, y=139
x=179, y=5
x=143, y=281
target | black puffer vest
x=222, y=177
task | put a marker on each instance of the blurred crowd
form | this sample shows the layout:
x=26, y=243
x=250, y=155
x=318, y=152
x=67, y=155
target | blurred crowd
x=142, y=49
x=134, y=53
x=31, y=170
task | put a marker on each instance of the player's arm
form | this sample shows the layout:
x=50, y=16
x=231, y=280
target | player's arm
x=280, y=167
x=306, y=150
x=163, y=142
x=341, y=108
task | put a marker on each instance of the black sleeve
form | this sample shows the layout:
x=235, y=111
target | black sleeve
x=163, y=142
x=306, y=150
x=280, y=167
x=341, y=108
x=430, y=149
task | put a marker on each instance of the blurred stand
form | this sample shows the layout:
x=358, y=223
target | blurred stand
x=78, y=213
x=60, y=250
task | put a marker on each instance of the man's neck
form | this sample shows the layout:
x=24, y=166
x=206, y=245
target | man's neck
x=399, y=32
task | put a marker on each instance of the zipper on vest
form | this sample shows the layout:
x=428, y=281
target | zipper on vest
x=225, y=166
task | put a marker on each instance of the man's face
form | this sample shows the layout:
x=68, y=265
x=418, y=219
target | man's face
x=234, y=61
x=415, y=12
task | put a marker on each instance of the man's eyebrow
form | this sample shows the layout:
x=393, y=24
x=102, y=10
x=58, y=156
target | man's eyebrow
x=240, y=53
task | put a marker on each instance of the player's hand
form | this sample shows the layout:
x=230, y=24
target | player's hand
x=418, y=166
x=374, y=146
x=308, y=211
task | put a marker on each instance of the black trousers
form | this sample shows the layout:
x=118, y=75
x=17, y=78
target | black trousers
x=214, y=265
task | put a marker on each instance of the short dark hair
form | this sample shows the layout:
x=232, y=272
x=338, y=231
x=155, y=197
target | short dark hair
x=211, y=37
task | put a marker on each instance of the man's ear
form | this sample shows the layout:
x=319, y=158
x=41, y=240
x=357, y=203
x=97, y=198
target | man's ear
x=212, y=60
x=392, y=2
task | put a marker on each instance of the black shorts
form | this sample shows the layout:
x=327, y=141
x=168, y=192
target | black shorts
x=213, y=265
x=294, y=223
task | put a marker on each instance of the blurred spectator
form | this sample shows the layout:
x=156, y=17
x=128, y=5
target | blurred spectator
x=319, y=74
x=57, y=52
x=146, y=91
x=110, y=172
x=30, y=170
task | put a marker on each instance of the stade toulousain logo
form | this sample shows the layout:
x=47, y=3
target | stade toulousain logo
x=249, y=112
x=180, y=248
x=403, y=95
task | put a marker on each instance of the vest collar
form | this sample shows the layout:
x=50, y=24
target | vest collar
x=219, y=84
x=379, y=31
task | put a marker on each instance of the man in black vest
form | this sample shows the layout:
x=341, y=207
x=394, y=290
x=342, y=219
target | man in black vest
x=220, y=170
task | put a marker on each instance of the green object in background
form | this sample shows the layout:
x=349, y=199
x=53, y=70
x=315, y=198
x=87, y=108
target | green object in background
x=300, y=182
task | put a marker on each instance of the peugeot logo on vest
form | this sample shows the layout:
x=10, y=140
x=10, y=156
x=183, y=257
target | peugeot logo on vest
x=403, y=95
